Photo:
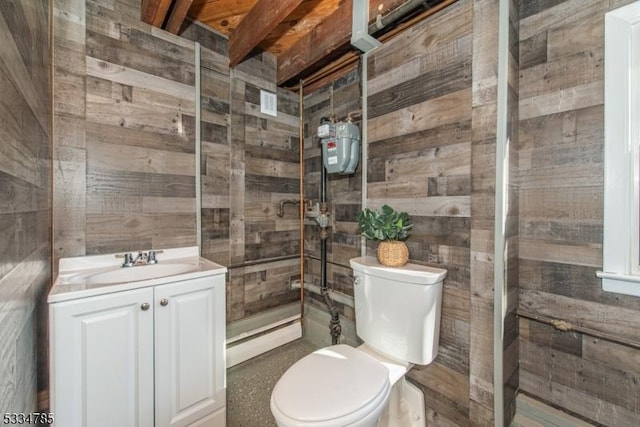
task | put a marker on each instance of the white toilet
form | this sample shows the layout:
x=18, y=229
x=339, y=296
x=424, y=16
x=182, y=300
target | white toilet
x=398, y=318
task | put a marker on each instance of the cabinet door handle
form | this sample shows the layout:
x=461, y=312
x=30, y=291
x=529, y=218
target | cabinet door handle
x=144, y=306
x=164, y=302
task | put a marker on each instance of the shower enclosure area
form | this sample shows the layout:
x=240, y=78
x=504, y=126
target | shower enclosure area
x=250, y=164
x=251, y=210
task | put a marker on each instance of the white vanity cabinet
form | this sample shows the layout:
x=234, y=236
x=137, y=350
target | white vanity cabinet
x=102, y=360
x=189, y=352
x=148, y=356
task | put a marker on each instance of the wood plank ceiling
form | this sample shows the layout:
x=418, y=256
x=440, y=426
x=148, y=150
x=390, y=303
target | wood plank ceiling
x=308, y=37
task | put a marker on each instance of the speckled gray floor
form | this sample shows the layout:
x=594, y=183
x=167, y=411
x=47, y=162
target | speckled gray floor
x=249, y=384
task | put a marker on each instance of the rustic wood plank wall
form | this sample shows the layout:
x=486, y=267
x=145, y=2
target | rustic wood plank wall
x=215, y=147
x=420, y=139
x=125, y=153
x=338, y=99
x=420, y=136
x=140, y=155
x=250, y=163
x=25, y=201
x=69, y=154
x=483, y=153
x=422, y=145
x=264, y=248
x=432, y=135
x=596, y=374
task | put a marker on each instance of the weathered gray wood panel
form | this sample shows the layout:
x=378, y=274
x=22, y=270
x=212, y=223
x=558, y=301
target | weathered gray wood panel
x=250, y=163
x=432, y=152
x=421, y=131
x=125, y=148
x=216, y=152
x=25, y=202
x=588, y=372
x=270, y=173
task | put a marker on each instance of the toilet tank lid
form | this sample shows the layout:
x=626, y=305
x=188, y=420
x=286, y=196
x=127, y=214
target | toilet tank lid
x=409, y=273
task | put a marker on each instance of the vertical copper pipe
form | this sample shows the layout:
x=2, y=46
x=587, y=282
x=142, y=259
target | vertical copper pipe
x=302, y=204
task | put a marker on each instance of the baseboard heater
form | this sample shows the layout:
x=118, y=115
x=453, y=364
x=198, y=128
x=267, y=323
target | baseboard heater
x=257, y=341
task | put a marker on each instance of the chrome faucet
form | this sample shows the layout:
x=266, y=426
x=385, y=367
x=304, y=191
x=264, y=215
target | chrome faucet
x=151, y=257
x=140, y=259
x=143, y=258
x=128, y=260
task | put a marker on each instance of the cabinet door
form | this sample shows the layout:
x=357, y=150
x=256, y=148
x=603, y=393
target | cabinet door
x=189, y=337
x=102, y=360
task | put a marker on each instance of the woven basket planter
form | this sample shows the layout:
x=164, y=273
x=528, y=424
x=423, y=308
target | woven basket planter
x=392, y=253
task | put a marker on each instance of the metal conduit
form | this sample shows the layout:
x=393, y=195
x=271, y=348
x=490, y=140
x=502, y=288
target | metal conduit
x=335, y=329
x=301, y=168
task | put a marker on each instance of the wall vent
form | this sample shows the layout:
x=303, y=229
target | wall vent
x=268, y=103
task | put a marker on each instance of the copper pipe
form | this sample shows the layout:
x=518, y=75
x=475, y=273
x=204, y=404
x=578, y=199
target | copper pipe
x=301, y=148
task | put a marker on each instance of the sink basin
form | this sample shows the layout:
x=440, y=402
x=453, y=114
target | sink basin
x=133, y=274
x=94, y=275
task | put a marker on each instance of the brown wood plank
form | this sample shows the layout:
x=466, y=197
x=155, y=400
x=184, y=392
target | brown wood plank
x=619, y=324
x=102, y=182
x=121, y=231
x=161, y=13
x=305, y=17
x=141, y=57
x=610, y=385
x=221, y=15
x=333, y=33
x=572, y=399
x=446, y=390
x=154, y=12
x=448, y=109
x=178, y=14
x=256, y=25
x=237, y=185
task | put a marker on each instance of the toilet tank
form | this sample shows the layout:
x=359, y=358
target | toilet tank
x=398, y=308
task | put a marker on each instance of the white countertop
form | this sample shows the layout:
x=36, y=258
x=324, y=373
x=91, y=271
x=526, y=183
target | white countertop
x=76, y=277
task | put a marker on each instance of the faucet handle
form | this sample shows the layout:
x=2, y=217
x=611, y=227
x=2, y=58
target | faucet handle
x=128, y=259
x=151, y=257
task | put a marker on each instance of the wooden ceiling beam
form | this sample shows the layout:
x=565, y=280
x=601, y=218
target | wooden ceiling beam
x=154, y=12
x=349, y=61
x=333, y=32
x=178, y=14
x=263, y=17
x=148, y=10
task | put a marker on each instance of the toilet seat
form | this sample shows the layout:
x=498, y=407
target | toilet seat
x=334, y=386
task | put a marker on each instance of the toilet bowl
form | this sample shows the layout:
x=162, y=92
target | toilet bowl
x=398, y=318
x=334, y=386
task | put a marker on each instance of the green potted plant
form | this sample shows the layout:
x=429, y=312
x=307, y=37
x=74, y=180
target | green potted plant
x=390, y=227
